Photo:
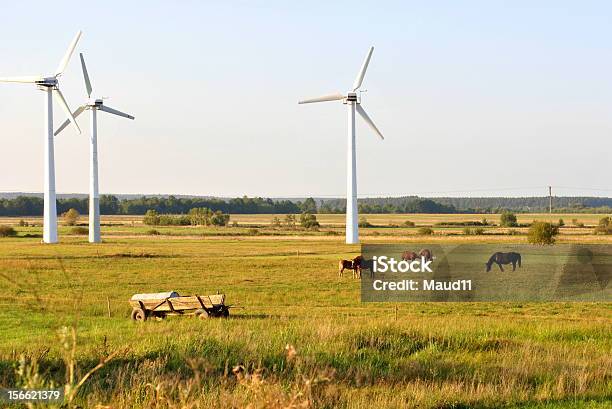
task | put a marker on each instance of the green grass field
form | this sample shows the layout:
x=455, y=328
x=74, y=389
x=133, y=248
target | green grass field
x=301, y=337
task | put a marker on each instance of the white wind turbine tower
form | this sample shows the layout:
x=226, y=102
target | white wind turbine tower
x=93, y=105
x=353, y=103
x=50, y=85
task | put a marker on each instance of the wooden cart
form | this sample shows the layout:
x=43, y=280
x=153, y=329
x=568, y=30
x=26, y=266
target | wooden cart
x=160, y=305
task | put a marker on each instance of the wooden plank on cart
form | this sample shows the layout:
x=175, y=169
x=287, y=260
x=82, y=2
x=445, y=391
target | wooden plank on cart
x=185, y=303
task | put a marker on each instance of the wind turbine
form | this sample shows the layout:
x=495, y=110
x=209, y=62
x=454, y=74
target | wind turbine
x=93, y=105
x=50, y=85
x=353, y=103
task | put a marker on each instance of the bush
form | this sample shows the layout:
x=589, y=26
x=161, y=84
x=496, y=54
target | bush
x=479, y=231
x=576, y=223
x=542, y=233
x=425, y=231
x=603, y=230
x=151, y=218
x=23, y=223
x=508, y=219
x=467, y=231
x=79, y=230
x=309, y=221
x=458, y=224
x=561, y=223
x=252, y=232
x=604, y=226
x=408, y=223
x=290, y=221
x=513, y=232
x=169, y=220
x=363, y=222
x=275, y=222
x=7, y=231
x=219, y=218
x=484, y=222
x=71, y=217
x=203, y=216
x=153, y=232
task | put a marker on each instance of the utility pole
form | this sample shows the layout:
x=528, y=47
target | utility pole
x=550, y=202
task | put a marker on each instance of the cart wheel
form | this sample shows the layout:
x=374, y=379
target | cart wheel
x=225, y=312
x=138, y=314
x=201, y=314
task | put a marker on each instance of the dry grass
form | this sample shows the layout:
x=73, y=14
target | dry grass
x=301, y=340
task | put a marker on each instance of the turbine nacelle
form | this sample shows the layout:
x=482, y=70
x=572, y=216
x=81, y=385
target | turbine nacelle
x=95, y=102
x=352, y=97
x=50, y=82
x=91, y=103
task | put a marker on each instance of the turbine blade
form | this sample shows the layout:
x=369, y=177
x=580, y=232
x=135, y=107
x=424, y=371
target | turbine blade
x=86, y=76
x=24, y=79
x=64, y=63
x=362, y=72
x=332, y=97
x=368, y=121
x=75, y=114
x=115, y=112
x=66, y=108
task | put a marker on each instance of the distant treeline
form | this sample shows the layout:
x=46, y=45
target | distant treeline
x=111, y=205
x=413, y=204
x=529, y=204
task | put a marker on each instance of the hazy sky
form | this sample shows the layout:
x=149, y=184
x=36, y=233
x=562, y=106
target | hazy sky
x=473, y=97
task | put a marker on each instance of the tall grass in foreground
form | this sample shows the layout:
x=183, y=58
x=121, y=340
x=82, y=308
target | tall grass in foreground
x=295, y=363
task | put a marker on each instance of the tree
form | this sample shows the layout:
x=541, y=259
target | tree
x=542, y=233
x=219, y=218
x=507, y=219
x=200, y=216
x=109, y=204
x=604, y=226
x=7, y=231
x=71, y=217
x=425, y=231
x=309, y=206
x=363, y=222
x=151, y=218
x=290, y=221
x=309, y=221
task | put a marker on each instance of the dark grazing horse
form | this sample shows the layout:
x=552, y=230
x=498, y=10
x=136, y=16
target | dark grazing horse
x=355, y=264
x=504, y=258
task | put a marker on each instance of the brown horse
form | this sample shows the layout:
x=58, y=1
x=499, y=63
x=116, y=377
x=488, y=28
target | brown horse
x=426, y=254
x=354, y=264
x=409, y=255
x=504, y=258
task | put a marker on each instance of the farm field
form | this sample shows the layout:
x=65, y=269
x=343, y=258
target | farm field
x=300, y=337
